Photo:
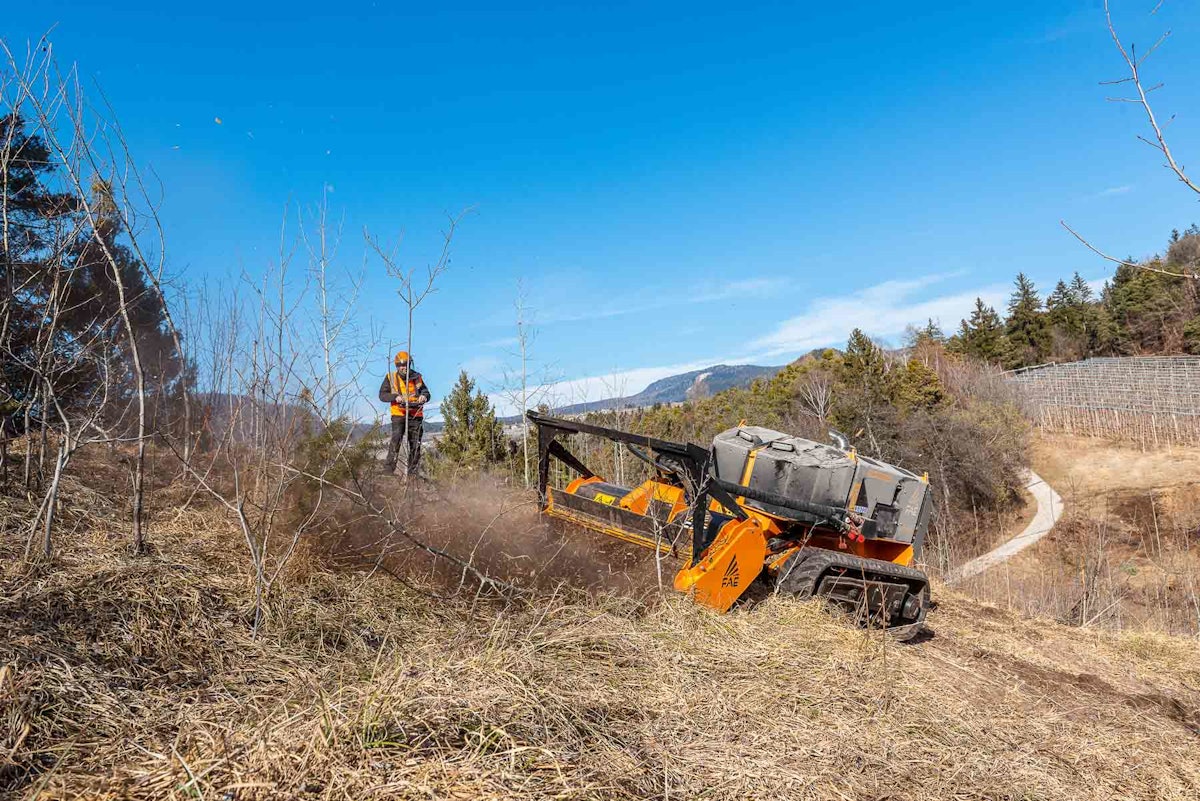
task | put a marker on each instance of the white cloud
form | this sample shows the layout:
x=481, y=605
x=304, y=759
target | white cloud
x=749, y=287
x=882, y=311
x=1113, y=190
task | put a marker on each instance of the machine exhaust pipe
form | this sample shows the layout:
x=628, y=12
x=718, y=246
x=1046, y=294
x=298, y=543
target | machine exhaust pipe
x=839, y=439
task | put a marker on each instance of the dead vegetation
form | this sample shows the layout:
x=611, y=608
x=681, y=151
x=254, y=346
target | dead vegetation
x=1127, y=553
x=144, y=677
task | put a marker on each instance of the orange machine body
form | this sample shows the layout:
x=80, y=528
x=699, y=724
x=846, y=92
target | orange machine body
x=732, y=524
x=736, y=557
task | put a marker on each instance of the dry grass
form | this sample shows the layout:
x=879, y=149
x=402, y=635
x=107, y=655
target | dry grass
x=1108, y=572
x=1086, y=470
x=1127, y=553
x=139, y=678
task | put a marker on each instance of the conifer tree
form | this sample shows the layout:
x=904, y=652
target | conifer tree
x=1075, y=320
x=1064, y=309
x=917, y=386
x=1083, y=293
x=1025, y=327
x=863, y=362
x=472, y=435
x=863, y=401
x=929, y=334
x=982, y=335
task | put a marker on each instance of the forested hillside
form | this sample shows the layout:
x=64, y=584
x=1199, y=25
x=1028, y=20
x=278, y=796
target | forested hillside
x=1148, y=307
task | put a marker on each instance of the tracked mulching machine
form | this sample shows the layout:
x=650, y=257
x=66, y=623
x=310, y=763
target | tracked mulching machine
x=803, y=518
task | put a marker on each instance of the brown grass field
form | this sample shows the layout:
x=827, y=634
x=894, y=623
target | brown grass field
x=124, y=677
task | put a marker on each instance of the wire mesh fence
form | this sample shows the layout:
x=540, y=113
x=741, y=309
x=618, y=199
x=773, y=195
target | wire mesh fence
x=1151, y=400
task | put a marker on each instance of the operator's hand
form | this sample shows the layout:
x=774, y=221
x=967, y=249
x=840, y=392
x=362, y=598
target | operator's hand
x=399, y=399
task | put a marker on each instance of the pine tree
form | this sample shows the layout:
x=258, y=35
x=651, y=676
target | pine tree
x=1083, y=293
x=982, y=335
x=863, y=362
x=1063, y=309
x=1076, y=322
x=71, y=274
x=917, y=386
x=929, y=334
x=471, y=435
x=1025, y=327
x=1147, y=309
x=28, y=170
x=932, y=332
x=1063, y=297
x=863, y=402
x=1183, y=253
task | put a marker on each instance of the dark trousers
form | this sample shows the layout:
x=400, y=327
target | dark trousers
x=414, y=443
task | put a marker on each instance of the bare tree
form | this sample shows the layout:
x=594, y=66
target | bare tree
x=131, y=185
x=519, y=387
x=91, y=157
x=279, y=359
x=414, y=285
x=615, y=387
x=257, y=351
x=339, y=344
x=75, y=434
x=97, y=195
x=525, y=337
x=815, y=393
x=1140, y=97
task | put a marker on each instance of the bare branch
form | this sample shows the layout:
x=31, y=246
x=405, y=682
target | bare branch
x=1123, y=262
x=1134, y=66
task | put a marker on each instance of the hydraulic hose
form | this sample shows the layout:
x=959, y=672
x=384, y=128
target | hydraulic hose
x=775, y=499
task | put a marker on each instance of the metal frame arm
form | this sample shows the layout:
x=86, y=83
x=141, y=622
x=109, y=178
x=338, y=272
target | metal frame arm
x=696, y=462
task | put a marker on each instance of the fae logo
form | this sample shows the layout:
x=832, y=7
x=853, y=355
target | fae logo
x=730, y=579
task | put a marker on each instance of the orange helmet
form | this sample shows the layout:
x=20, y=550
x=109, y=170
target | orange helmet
x=402, y=358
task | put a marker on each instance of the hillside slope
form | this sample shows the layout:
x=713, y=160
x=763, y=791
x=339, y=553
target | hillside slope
x=1126, y=552
x=139, y=678
x=1092, y=472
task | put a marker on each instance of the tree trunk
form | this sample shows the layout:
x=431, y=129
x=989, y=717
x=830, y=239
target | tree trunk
x=139, y=467
x=60, y=462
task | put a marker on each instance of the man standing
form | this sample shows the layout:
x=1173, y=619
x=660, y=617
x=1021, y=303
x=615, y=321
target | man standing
x=405, y=390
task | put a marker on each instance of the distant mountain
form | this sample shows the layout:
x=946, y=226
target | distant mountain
x=678, y=388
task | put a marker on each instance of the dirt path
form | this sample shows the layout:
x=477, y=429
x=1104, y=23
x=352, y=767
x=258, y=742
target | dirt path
x=1049, y=510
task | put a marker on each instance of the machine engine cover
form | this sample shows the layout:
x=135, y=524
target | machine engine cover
x=894, y=501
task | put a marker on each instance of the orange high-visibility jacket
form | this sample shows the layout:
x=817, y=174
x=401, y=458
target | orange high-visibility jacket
x=413, y=391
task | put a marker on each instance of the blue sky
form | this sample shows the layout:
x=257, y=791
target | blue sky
x=675, y=184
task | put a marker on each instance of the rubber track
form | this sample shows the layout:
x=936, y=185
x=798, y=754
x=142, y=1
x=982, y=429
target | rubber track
x=803, y=572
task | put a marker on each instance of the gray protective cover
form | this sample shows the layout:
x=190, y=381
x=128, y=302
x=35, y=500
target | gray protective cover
x=893, y=500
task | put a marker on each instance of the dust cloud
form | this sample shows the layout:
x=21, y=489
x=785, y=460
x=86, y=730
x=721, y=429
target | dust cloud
x=500, y=532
